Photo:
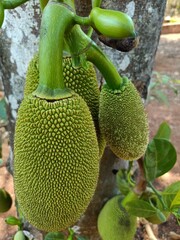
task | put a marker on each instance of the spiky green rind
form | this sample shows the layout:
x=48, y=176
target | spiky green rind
x=84, y=82
x=123, y=121
x=81, y=80
x=32, y=76
x=56, y=161
x=114, y=222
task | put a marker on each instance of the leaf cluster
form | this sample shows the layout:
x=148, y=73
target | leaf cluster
x=150, y=203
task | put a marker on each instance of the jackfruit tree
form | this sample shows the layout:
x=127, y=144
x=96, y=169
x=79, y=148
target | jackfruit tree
x=64, y=119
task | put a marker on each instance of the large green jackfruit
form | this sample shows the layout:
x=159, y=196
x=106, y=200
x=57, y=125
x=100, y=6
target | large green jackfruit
x=123, y=121
x=56, y=161
x=115, y=223
x=81, y=80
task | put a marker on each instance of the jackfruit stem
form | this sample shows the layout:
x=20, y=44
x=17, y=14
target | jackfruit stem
x=56, y=20
x=81, y=45
x=105, y=66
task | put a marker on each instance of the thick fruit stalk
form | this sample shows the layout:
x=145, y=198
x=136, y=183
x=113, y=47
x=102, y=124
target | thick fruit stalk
x=56, y=20
x=115, y=223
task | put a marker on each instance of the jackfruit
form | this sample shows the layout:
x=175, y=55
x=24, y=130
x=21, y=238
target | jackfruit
x=81, y=80
x=123, y=121
x=115, y=223
x=5, y=201
x=56, y=161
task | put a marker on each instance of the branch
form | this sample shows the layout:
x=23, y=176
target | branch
x=141, y=182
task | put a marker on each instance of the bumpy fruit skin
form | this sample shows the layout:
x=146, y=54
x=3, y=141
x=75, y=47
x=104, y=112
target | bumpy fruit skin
x=56, y=161
x=5, y=201
x=114, y=222
x=81, y=80
x=123, y=121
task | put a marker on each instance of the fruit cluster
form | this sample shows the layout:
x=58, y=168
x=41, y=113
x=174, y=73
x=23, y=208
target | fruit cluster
x=65, y=121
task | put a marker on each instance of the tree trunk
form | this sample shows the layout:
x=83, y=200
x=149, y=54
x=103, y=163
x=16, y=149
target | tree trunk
x=18, y=43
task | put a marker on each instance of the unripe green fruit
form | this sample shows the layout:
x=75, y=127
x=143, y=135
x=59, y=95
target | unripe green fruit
x=112, y=24
x=20, y=236
x=114, y=222
x=5, y=201
x=1, y=13
x=81, y=80
x=123, y=121
x=11, y=220
x=56, y=161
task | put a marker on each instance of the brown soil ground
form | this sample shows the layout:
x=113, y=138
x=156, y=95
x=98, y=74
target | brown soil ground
x=167, y=62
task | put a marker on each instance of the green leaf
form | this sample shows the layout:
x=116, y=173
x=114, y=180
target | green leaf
x=140, y=208
x=55, y=236
x=170, y=193
x=159, y=158
x=176, y=202
x=3, y=114
x=161, y=97
x=164, y=131
x=165, y=79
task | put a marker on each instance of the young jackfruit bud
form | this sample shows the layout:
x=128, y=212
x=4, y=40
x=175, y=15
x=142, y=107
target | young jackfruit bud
x=123, y=121
x=115, y=223
x=112, y=24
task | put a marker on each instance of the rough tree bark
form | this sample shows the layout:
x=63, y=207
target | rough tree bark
x=18, y=43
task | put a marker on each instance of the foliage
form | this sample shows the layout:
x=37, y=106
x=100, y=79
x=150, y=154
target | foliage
x=150, y=203
x=158, y=86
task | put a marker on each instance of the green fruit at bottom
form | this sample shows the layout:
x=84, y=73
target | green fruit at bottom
x=20, y=236
x=115, y=223
x=5, y=201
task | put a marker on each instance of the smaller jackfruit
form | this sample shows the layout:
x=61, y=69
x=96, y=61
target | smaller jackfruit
x=115, y=223
x=123, y=121
x=5, y=201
